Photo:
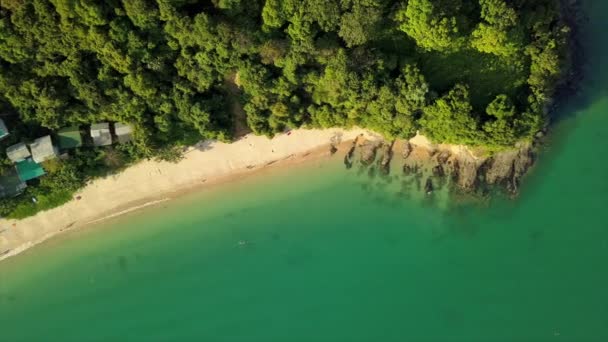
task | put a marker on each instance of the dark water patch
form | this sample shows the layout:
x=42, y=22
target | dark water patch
x=123, y=263
x=372, y=172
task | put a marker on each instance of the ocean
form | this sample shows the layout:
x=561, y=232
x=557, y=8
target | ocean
x=320, y=253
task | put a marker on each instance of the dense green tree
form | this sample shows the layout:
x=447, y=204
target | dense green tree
x=429, y=25
x=498, y=34
x=450, y=118
x=360, y=24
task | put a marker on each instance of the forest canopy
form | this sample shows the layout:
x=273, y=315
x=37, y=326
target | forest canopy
x=478, y=72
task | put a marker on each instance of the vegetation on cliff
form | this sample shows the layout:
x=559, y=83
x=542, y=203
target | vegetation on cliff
x=477, y=72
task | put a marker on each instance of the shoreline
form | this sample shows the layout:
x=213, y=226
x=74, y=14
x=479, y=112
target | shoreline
x=149, y=183
x=209, y=164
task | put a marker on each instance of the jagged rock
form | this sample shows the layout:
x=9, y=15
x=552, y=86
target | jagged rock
x=407, y=150
x=507, y=167
x=409, y=169
x=428, y=186
x=451, y=167
x=348, y=158
x=521, y=164
x=386, y=154
x=499, y=168
x=443, y=157
x=467, y=174
x=333, y=149
x=368, y=152
x=438, y=170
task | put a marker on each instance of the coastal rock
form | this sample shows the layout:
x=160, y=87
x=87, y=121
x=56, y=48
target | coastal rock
x=521, y=164
x=368, y=152
x=438, y=170
x=409, y=169
x=466, y=174
x=333, y=149
x=348, y=158
x=508, y=167
x=386, y=155
x=499, y=168
x=428, y=186
x=463, y=169
x=407, y=149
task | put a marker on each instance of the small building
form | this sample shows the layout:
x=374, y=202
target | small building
x=101, y=134
x=69, y=137
x=43, y=149
x=124, y=132
x=28, y=169
x=10, y=183
x=17, y=152
x=3, y=130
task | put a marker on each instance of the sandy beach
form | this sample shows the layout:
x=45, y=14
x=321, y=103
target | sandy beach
x=151, y=182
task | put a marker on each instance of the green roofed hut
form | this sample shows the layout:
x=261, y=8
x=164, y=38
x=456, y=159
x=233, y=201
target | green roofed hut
x=28, y=169
x=69, y=137
x=10, y=183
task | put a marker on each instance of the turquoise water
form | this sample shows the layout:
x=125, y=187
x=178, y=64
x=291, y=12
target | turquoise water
x=336, y=256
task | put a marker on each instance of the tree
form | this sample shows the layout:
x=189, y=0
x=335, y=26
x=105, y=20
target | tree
x=450, y=119
x=498, y=34
x=501, y=107
x=412, y=90
x=360, y=24
x=494, y=40
x=431, y=28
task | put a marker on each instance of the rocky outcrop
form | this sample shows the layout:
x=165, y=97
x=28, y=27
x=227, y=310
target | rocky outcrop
x=386, y=155
x=349, y=157
x=465, y=173
x=434, y=166
x=407, y=149
x=507, y=168
x=368, y=151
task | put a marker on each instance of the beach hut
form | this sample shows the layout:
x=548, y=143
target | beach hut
x=17, y=152
x=10, y=183
x=28, y=169
x=101, y=134
x=124, y=132
x=3, y=130
x=43, y=149
x=69, y=137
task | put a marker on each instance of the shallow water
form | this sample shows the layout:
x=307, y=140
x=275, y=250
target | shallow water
x=332, y=255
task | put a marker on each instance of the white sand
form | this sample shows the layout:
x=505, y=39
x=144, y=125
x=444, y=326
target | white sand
x=150, y=182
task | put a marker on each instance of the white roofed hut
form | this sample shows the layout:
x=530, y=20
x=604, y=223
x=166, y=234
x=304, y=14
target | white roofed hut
x=124, y=132
x=101, y=134
x=3, y=129
x=43, y=149
x=17, y=152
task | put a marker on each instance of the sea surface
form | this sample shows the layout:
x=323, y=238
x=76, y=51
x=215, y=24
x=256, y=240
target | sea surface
x=319, y=253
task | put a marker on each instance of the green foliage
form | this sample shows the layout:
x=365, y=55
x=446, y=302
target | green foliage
x=388, y=65
x=501, y=107
x=499, y=34
x=429, y=25
x=494, y=40
x=450, y=119
x=360, y=24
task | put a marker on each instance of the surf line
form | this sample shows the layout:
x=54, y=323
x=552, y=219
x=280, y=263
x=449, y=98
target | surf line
x=128, y=210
